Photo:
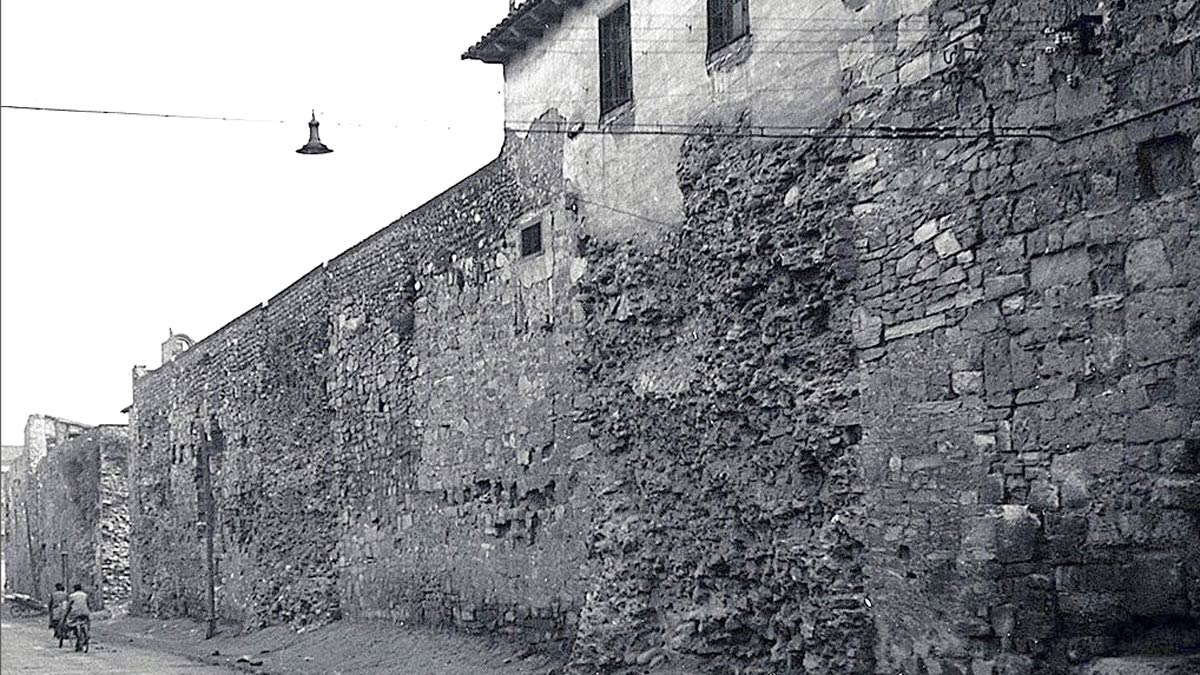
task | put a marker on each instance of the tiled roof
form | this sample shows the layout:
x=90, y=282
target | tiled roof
x=526, y=22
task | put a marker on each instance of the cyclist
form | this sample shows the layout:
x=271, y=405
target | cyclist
x=79, y=616
x=58, y=608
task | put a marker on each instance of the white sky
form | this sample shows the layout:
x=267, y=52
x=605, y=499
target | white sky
x=115, y=229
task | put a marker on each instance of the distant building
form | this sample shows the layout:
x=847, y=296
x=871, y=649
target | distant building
x=65, y=513
x=174, y=345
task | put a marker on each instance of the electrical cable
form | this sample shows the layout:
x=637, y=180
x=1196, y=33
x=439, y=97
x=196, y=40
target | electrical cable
x=883, y=132
x=753, y=131
x=96, y=111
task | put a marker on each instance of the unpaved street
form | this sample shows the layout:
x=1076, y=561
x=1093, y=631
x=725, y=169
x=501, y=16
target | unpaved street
x=26, y=647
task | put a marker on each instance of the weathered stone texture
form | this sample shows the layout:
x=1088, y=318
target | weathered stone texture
x=73, y=502
x=320, y=417
x=870, y=405
x=721, y=377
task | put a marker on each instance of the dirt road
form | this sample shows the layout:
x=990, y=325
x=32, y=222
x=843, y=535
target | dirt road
x=26, y=648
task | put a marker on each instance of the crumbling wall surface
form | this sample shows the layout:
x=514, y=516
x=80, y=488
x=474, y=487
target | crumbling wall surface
x=59, y=521
x=112, y=546
x=722, y=376
x=989, y=404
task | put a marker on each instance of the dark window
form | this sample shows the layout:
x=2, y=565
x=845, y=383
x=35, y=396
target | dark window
x=616, y=60
x=531, y=240
x=728, y=20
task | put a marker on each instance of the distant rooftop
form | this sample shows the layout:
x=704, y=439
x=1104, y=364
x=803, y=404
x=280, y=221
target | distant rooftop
x=525, y=23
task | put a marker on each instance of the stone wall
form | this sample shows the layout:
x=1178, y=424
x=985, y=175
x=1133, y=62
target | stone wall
x=924, y=402
x=25, y=559
x=309, y=424
x=971, y=363
x=722, y=375
x=71, y=502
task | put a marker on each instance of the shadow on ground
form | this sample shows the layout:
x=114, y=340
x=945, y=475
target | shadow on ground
x=340, y=648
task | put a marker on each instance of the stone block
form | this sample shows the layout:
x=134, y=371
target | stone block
x=914, y=327
x=1154, y=424
x=967, y=382
x=1096, y=578
x=946, y=244
x=1067, y=267
x=995, y=287
x=1018, y=534
x=1156, y=323
x=953, y=275
x=908, y=262
x=1094, y=611
x=917, y=69
x=1154, y=586
x=1043, y=495
x=927, y=231
x=867, y=329
x=1146, y=264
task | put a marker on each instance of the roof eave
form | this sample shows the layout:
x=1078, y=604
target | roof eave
x=524, y=24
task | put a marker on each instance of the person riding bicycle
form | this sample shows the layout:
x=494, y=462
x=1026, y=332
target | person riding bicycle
x=58, y=607
x=78, y=613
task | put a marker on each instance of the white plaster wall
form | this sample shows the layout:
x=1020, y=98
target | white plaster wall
x=791, y=76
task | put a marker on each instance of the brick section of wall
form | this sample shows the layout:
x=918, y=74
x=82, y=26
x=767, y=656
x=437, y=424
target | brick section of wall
x=73, y=502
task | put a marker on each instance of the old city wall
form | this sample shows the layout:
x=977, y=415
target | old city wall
x=922, y=405
x=1027, y=344
x=308, y=425
x=71, y=502
x=26, y=560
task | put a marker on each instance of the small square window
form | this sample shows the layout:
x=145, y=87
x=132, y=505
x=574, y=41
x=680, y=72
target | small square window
x=531, y=240
x=728, y=20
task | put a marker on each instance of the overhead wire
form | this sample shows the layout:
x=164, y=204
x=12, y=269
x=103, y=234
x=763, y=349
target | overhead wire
x=882, y=132
x=136, y=113
x=132, y=113
x=688, y=129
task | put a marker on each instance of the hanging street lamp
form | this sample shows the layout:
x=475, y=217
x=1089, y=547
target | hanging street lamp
x=314, y=146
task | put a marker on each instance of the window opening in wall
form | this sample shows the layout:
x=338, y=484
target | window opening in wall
x=728, y=20
x=616, y=60
x=531, y=240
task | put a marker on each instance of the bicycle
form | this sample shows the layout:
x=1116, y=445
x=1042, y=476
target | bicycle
x=82, y=628
x=60, y=631
x=83, y=636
